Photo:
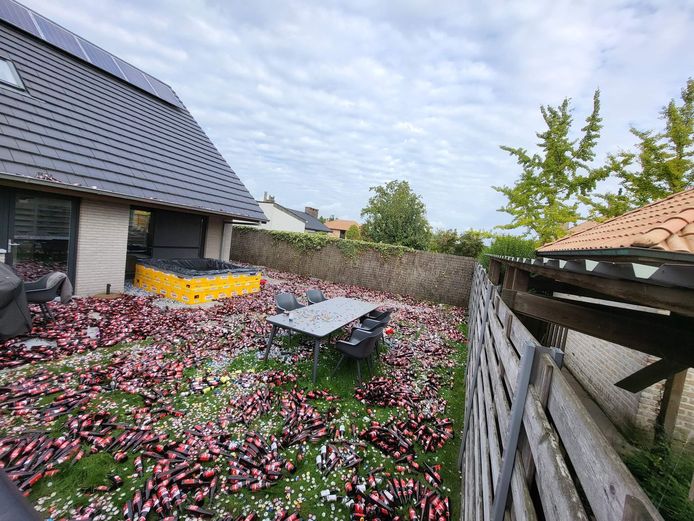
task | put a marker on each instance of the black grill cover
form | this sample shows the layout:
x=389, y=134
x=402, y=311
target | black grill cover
x=15, y=318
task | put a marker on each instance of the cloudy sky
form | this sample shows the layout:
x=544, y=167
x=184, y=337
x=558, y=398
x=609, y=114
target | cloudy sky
x=316, y=101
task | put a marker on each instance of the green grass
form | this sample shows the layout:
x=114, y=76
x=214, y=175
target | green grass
x=665, y=475
x=73, y=485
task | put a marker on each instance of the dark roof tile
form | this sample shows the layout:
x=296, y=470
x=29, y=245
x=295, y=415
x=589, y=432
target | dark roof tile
x=94, y=129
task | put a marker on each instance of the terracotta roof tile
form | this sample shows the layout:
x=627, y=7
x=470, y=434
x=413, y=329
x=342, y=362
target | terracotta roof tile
x=341, y=224
x=666, y=225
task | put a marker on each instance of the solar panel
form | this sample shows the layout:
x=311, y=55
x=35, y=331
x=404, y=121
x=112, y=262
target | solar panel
x=31, y=22
x=18, y=15
x=134, y=76
x=59, y=37
x=101, y=58
x=164, y=91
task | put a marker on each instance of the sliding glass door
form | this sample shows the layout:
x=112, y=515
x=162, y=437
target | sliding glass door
x=40, y=233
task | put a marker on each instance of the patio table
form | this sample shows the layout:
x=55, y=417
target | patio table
x=319, y=321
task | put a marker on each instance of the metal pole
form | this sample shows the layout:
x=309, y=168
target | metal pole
x=509, y=457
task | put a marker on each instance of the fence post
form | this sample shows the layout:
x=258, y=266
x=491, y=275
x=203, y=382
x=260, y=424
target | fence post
x=509, y=457
x=472, y=384
x=541, y=378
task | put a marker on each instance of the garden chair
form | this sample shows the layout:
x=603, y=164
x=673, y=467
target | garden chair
x=45, y=290
x=369, y=324
x=286, y=302
x=314, y=296
x=360, y=346
x=379, y=315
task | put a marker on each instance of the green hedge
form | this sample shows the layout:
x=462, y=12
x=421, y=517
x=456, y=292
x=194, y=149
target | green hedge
x=316, y=241
x=509, y=246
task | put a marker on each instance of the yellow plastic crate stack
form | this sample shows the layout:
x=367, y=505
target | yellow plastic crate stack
x=196, y=290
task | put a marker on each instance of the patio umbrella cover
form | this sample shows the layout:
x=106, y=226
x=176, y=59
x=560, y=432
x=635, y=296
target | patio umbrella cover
x=15, y=318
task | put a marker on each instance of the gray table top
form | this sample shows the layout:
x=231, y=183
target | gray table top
x=321, y=319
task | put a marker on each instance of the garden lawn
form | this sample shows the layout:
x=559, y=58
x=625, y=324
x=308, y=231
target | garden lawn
x=161, y=392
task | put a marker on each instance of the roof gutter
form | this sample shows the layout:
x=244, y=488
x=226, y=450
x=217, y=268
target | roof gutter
x=642, y=254
x=104, y=193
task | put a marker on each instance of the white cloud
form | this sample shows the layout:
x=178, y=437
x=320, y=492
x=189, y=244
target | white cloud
x=317, y=101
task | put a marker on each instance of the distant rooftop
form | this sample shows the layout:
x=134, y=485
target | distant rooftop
x=341, y=224
x=312, y=223
x=665, y=226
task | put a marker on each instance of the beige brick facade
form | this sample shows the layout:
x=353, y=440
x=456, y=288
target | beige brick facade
x=102, y=240
x=213, y=237
x=598, y=365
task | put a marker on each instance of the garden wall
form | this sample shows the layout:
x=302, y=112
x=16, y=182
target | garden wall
x=433, y=276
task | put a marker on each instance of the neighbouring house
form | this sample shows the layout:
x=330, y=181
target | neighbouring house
x=285, y=219
x=101, y=163
x=339, y=227
x=655, y=239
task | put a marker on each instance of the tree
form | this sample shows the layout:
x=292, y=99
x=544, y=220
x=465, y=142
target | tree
x=661, y=165
x=353, y=233
x=471, y=243
x=544, y=200
x=443, y=241
x=396, y=215
x=466, y=244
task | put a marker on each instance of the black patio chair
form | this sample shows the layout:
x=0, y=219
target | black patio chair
x=360, y=346
x=379, y=315
x=286, y=302
x=369, y=324
x=314, y=296
x=42, y=291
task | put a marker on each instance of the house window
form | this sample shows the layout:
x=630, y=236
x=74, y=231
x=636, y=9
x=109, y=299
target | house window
x=9, y=75
x=42, y=234
x=139, y=232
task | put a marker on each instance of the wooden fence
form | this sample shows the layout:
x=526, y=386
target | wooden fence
x=530, y=450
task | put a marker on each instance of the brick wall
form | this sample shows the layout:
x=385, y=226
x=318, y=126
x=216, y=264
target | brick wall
x=102, y=240
x=598, y=365
x=432, y=276
x=684, y=427
x=213, y=237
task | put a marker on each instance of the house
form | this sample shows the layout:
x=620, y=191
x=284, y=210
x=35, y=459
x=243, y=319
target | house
x=101, y=163
x=285, y=219
x=655, y=242
x=339, y=227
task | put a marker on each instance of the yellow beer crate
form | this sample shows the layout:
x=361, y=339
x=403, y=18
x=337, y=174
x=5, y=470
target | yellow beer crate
x=192, y=289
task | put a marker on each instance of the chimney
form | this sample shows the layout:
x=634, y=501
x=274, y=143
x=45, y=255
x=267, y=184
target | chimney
x=313, y=212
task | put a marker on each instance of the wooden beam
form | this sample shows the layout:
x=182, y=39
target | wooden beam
x=650, y=374
x=679, y=300
x=508, y=277
x=494, y=271
x=521, y=279
x=548, y=286
x=658, y=335
x=670, y=404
